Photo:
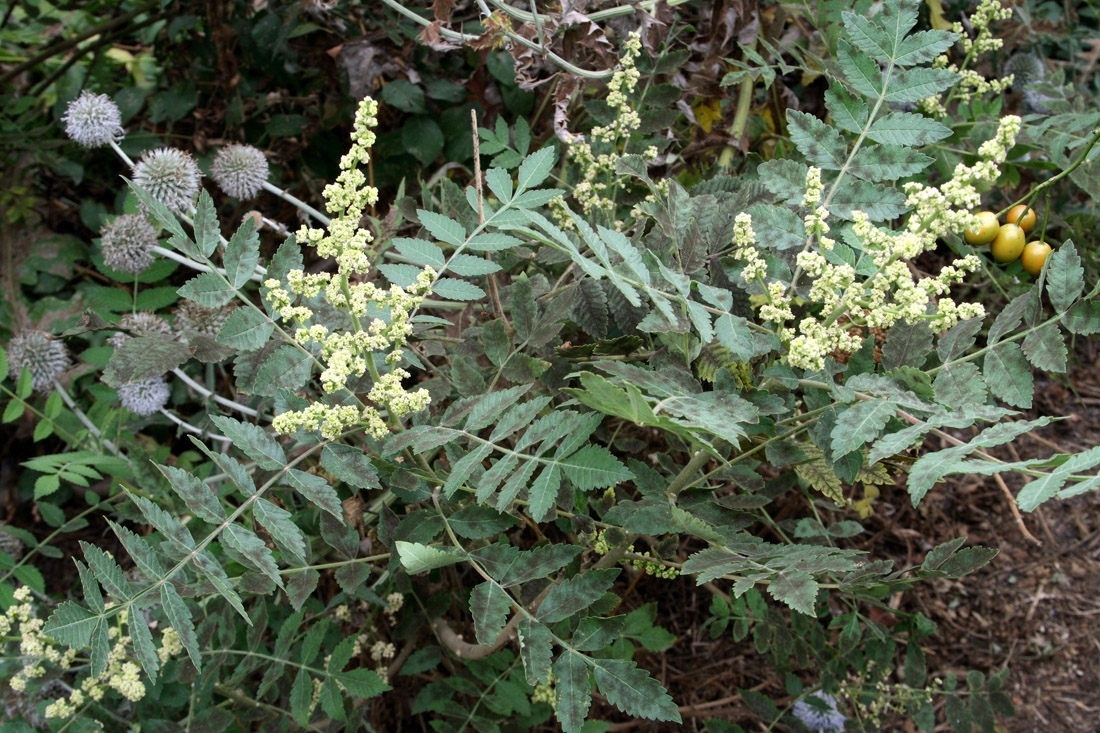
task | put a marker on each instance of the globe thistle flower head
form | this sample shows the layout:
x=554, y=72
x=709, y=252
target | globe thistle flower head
x=45, y=357
x=239, y=170
x=127, y=242
x=170, y=176
x=93, y=120
x=11, y=544
x=207, y=321
x=145, y=323
x=144, y=398
x=826, y=719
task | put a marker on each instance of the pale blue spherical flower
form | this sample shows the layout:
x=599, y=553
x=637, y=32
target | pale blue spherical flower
x=45, y=357
x=144, y=398
x=170, y=176
x=239, y=170
x=127, y=243
x=826, y=720
x=93, y=120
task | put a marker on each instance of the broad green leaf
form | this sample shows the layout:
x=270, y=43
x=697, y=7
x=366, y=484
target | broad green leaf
x=849, y=113
x=1010, y=317
x=544, y=492
x=350, y=465
x=362, y=682
x=957, y=340
x=464, y=467
x=821, y=144
x=575, y=594
x=633, y=691
x=573, y=696
x=420, y=252
x=907, y=344
x=860, y=70
x=887, y=163
x=143, y=644
x=859, y=425
x=92, y=595
x=500, y=183
x=442, y=228
x=797, y=589
x=142, y=358
x=913, y=85
x=594, y=467
x=477, y=522
x=199, y=497
x=253, y=441
x=280, y=525
x=1046, y=349
x=1045, y=487
x=535, y=647
x=242, y=254
x=535, y=168
x=301, y=696
x=470, y=266
x=1065, y=277
x=246, y=329
x=923, y=46
x=252, y=550
x=489, y=606
x=180, y=618
x=71, y=624
x=288, y=368
x=207, y=289
x=454, y=289
x=317, y=491
x=207, y=231
x=907, y=128
x=960, y=384
x=160, y=213
x=107, y=572
x=1008, y=375
x=416, y=558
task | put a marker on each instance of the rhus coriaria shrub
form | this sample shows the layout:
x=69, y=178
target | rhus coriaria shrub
x=335, y=456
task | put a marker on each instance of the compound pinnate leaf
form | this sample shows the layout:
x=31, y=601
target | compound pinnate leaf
x=797, y=589
x=252, y=550
x=142, y=358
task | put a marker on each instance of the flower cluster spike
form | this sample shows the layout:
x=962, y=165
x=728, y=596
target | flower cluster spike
x=381, y=317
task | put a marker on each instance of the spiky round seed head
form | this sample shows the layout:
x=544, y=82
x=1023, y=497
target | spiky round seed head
x=145, y=323
x=46, y=358
x=170, y=176
x=239, y=170
x=93, y=120
x=144, y=398
x=11, y=544
x=127, y=242
x=207, y=321
x=1024, y=68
